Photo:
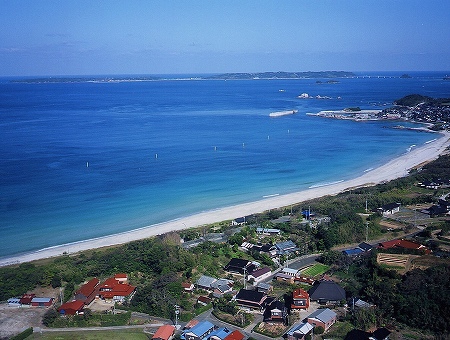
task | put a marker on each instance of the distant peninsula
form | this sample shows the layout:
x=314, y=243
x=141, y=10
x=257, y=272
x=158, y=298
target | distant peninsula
x=284, y=75
x=224, y=76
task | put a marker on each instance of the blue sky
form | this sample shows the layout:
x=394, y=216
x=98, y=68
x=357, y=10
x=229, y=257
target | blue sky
x=69, y=37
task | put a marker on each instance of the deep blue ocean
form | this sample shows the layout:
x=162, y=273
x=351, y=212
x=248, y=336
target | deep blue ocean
x=86, y=159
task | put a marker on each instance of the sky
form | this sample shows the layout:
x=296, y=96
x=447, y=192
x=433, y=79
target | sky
x=89, y=37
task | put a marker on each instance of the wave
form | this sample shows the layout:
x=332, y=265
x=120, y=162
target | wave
x=369, y=169
x=273, y=195
x=410, y=148
x=325, y=184
x=430, y=141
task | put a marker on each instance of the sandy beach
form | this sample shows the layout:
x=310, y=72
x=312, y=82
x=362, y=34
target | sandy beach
x=396, y=168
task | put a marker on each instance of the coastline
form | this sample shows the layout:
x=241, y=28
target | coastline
x=395, y=168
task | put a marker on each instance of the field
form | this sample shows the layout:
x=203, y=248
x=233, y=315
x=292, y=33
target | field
x=315, y=270
x=126, y=334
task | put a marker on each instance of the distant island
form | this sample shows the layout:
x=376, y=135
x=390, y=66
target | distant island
x=284, y=75
x=224, y=76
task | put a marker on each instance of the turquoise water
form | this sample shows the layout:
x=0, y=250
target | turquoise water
x=82, y=160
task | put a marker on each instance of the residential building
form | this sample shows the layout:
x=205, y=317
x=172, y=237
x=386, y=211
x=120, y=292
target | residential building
x=235, y=335
x=219, y=334
x=239, y=266
x=327, y=291
x=251, y=299
x=113, y=290
x=165, y=332
x=264, y=287
x=275, y=312
x=71, y=308
x=299, y=332
x=41, y=302
x=300, y=299
x=286, y=247
x=322, y=317
x=88, y=291
x=199, y=331
x=260, y=274
x=389, y=209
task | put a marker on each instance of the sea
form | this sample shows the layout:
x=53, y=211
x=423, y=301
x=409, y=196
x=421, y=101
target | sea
x=86, y=157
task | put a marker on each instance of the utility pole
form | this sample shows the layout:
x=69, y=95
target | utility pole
x=367, y=231
x=245, y=281
x=177, y=311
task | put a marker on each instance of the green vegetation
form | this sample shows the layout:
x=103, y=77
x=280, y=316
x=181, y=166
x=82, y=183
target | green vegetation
x=315, y=270
x=123, y=334
x=88, y=319
x=414, y=99
x=25, y=334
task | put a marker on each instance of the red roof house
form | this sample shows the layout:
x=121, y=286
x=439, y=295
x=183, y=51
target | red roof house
x=407, y=244
x=164, y=332
x=235, y=335
x=300, y=299
x=71, y=308
x=115, y=290
x=88, y=291
x=26, y=299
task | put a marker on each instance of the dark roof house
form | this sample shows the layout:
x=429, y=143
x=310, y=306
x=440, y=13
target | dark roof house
x=327, y=291
x=239, y=266
x=251, y=299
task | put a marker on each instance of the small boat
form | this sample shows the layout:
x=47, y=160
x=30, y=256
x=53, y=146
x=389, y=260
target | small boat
x=282, y=113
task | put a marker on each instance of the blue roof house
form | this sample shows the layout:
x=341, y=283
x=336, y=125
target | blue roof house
x=199, y=331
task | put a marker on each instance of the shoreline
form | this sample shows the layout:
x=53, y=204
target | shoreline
x=395, y=168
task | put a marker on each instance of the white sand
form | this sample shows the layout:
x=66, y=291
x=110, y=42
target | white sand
x=396, y=168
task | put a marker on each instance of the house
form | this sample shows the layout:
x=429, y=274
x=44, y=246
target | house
x=275, y=312
x=264, y=287
x=260, y=274
x=221, y=287
x=355, y=252
x=299, y=332
x=358, y=303
x=326, y=291
x=219, y=334
x=401, y=243
x=379, y=334
x=205, y=282
x=165, y=332
x=238, y=221
x=121, y=277
x=88, y=291
x=41, y=302
x=322, y=317
x=286, y=247
x=239, y=266
x=217, y=287
x=235, y=335
x=268, y=231
x=251, y=299
x=116, y=291
x=289, y=271
x=14, y=302
x=187, y=287
x=389, y=209
x=25, y=300
x=437, y=210
x=365, y=247
x=204, y=300
x=300, y=299
x=199, y=331
x=74, y=307
x=284, y=277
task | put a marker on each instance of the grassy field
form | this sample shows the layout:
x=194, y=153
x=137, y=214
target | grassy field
x=315, y=270
x=126, y=334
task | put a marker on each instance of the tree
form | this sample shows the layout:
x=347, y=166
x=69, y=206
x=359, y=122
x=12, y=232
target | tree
x=50, y=316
